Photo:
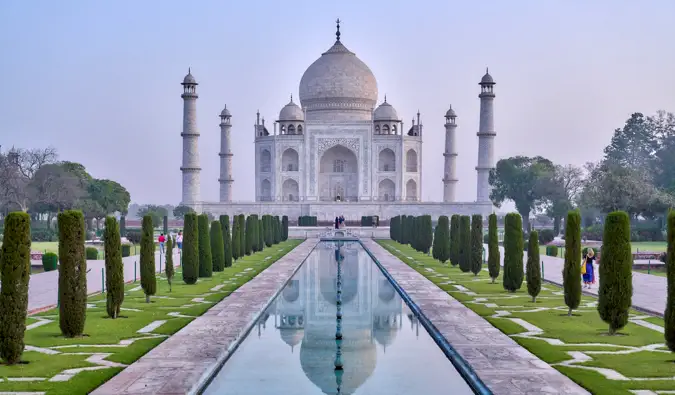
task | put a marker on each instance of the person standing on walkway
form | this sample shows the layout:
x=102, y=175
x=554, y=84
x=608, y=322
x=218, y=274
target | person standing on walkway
x=161, y=241
x=587, y=269
x=179, y=241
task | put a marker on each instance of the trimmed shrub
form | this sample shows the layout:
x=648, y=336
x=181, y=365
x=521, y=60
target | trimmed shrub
x=72, y=273
x=572, y=265
x=126, y=250
x=169, y=269
x=217, y=249
x=284, y=228
x=546, y=236
x=15, y=275
x=190, y=252
x=205, y=259
x=494, y=256
x=114, y=268
x=236, y=238
x=465, y=243
x=533, y=273
x=454, y=240
x=148, y=278
x=513, y=252
x=552, y=251
x=476, y=261
x=50, y=261
x=91, y=253
x=616, y=272
x=669, y=258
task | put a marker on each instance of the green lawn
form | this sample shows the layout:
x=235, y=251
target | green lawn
x=118, y=342
x=645, y=246
x=656, y=272
x=53, y=246
x=626, y=354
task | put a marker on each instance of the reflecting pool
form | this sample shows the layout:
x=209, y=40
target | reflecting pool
x=338, y=291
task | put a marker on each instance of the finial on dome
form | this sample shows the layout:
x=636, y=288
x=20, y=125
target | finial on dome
x=291, y=98
x=487, y=70
x=189, y=70
x=337, y=34
x=385, y=98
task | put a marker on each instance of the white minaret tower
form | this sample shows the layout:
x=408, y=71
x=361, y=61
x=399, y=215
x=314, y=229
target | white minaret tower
x=225, y=157
x=486, y=137
x=450, y=154
x=190, y=135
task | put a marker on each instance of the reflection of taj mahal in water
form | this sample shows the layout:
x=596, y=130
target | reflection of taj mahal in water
x=305, y=314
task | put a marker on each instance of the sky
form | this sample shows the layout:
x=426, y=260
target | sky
x=100, y=80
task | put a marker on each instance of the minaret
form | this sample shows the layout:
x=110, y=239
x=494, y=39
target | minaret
x=225, y=157
x=486, y=137
x=190, y=135
x=450, y=178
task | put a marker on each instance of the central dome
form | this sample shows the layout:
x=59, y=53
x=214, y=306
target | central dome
x=338, y=82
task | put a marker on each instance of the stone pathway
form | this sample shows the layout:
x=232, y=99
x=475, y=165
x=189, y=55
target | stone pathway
x=180, y=364
x=503, y=365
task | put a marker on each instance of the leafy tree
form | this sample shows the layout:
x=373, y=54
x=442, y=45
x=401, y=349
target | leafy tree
x=169, y=269
x=465, y=243
x=217, y=249
x=227, y=240
x=72, y=273
x=148, y=278
x=533, y=269
x=513, y=252
x=476, y=244
x=494, y=258
x=572, y=265
x=669, y=314
x=190, y=252
x=236, y=238
x=14, y=275
x=616, y=272
x=53, y=189
x=110, y=195
x=114, y=268
x=284, y=227
x=522, y=180
x=155, y=212
x=634, y=145
x=561, y=191
x=180, y=211
x=205, y=258
x=454, y=240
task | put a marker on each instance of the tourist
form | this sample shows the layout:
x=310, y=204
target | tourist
x=337, y=223
x=179, y=241
x=587, y=268
x=161, y=240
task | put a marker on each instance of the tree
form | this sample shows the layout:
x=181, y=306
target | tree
x=112, y=196
x=268, y=231
x=205, y=258
x=114, y=268
x=169, y=269
x=17, y=170
x=522, y=180
x=669, y=314
x=395, y=228
x=53, y=189
x=242, y=236
x=476, y=243
x=72, y=273
x=277, y=230
x=465, y=243
x=236, y=238
x=616, y=272
x=190, y=252
x=180, y=211
x=562, y=190
x=513, y=252
x=14, y=276
x=494, y=258
x=250, y=234
x=404, y=230
x=572, y=265
x=284, y=228
x=634, y=145
x=435, y=247
x=425, y=233
x=155, y=212
x=454, y=240
x=148, y=279
x=217, y=249
x=227, y=240
x=533, y=269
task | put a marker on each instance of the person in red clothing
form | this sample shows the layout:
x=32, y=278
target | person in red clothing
x=161, y=240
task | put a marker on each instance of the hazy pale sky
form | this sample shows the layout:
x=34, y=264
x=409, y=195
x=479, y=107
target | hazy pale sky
x=100, y=80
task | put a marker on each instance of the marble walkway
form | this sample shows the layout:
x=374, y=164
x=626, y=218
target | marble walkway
x=503, y=365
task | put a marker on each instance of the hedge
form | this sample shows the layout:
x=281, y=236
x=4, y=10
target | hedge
x=168, y=268
x=572, y=265
x=307, y=220
x=533, y=271
x=91, y=253
x=669, y=314
x=268, y=231
x=476, y=260
x=546, y=236
x=14, y=275
x=190, y=252
x=454, y=240
x=494, y=255
x=513, y=252
x=114, y=268
x=126, y=250
x=205, y=258
x=465, y=243
x=552, y=251
x=50, y=261
x=616, y=272
x=72, y=273
x=148, y=278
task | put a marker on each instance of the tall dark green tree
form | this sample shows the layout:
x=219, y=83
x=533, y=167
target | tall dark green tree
x=277, y=227
x=476, y=244
x=205, y=258
x=634, y=145
x=217, y=249
x=615, y=293
x=465, y=243
x=261, y=232
x=572, y=265
x=425, y=233
x=148, y=279
x=168, y=268
x=190, y=252
x=14, y=276
x=454, y=240
x=669, y=314
x=236, y=238
x=227, y=240
x=114, y=268
x=494, y=256
x=254, y=233
x=404, y=229
x=533, y=269
x=284, y=227
x=442, y=239
x=72, y=273
x=250, y=233
x=434, y=251
x=242, y=236
x=268, y=231
x=513, y=252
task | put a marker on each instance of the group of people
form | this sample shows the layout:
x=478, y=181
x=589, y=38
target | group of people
x=178, y=239
x=339, y=222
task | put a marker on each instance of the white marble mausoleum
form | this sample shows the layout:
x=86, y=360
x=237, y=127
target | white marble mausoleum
x=337, y=152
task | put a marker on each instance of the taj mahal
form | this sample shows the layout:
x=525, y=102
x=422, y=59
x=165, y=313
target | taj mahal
x=337, y=152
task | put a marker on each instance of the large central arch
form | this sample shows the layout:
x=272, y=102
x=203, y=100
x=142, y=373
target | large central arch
x=338, y=175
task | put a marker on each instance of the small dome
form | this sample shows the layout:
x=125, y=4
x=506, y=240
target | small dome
x=189, y=79
x=487, y=78
x=385, y=112
x=451, y=113
x=291, y=112
x=225, y=112
x=292, y=336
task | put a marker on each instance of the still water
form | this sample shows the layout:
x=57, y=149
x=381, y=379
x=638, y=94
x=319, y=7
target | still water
x=293, y=348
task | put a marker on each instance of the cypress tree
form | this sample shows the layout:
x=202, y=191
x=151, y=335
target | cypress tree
x=284, y=228
x=254, y=233
x=426, y=233
x=242, y=235
x=248, y=249
x=205, y=258
x=261, y=233
x=404, y=223
x=476, y=244
x=217, y=249
x=572, y=265
x=442, y=240
x=434, y=247
x=277, y=234
x=236, y=238
x=190, y=251
x=227, y=240
x=14, y=276
x=114, y=268
x=465, y=243
x=669, y=314
x=454, y=240
x=513, y=252
x=148, y=279
x=268, y=230
x=72, y=273
x=392, y=228
x=533, y=273
x=616, y=272
x=168, y=268
x=494, y=258
x=165, y=228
